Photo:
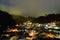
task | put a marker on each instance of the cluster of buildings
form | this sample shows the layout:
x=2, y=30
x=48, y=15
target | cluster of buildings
x=51, y=30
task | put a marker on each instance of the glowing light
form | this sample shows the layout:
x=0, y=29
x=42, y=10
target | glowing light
x=16, y=25
x=50, y=35
x=28, y=38
x=13, y=30
x=46, y=25
x=32, y=33
x=58, y=36
x=56, y=27
x=7, y=35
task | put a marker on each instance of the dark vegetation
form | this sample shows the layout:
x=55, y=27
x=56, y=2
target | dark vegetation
x=5, y=20
x=48, y=18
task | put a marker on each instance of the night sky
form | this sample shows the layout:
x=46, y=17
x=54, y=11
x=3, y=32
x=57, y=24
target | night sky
x=32, y=8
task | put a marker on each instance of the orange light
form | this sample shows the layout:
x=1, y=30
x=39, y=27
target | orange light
x=32, y=33
x=50, y=35
x=13, y=30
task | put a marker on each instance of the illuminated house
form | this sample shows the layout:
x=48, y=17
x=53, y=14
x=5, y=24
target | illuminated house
x=28, y=24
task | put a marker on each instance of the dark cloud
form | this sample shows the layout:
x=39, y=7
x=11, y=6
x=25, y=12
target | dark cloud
x=32, y=7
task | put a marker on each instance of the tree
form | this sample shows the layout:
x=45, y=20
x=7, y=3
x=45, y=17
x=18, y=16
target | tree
x=48, y=18
x=5, y=20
